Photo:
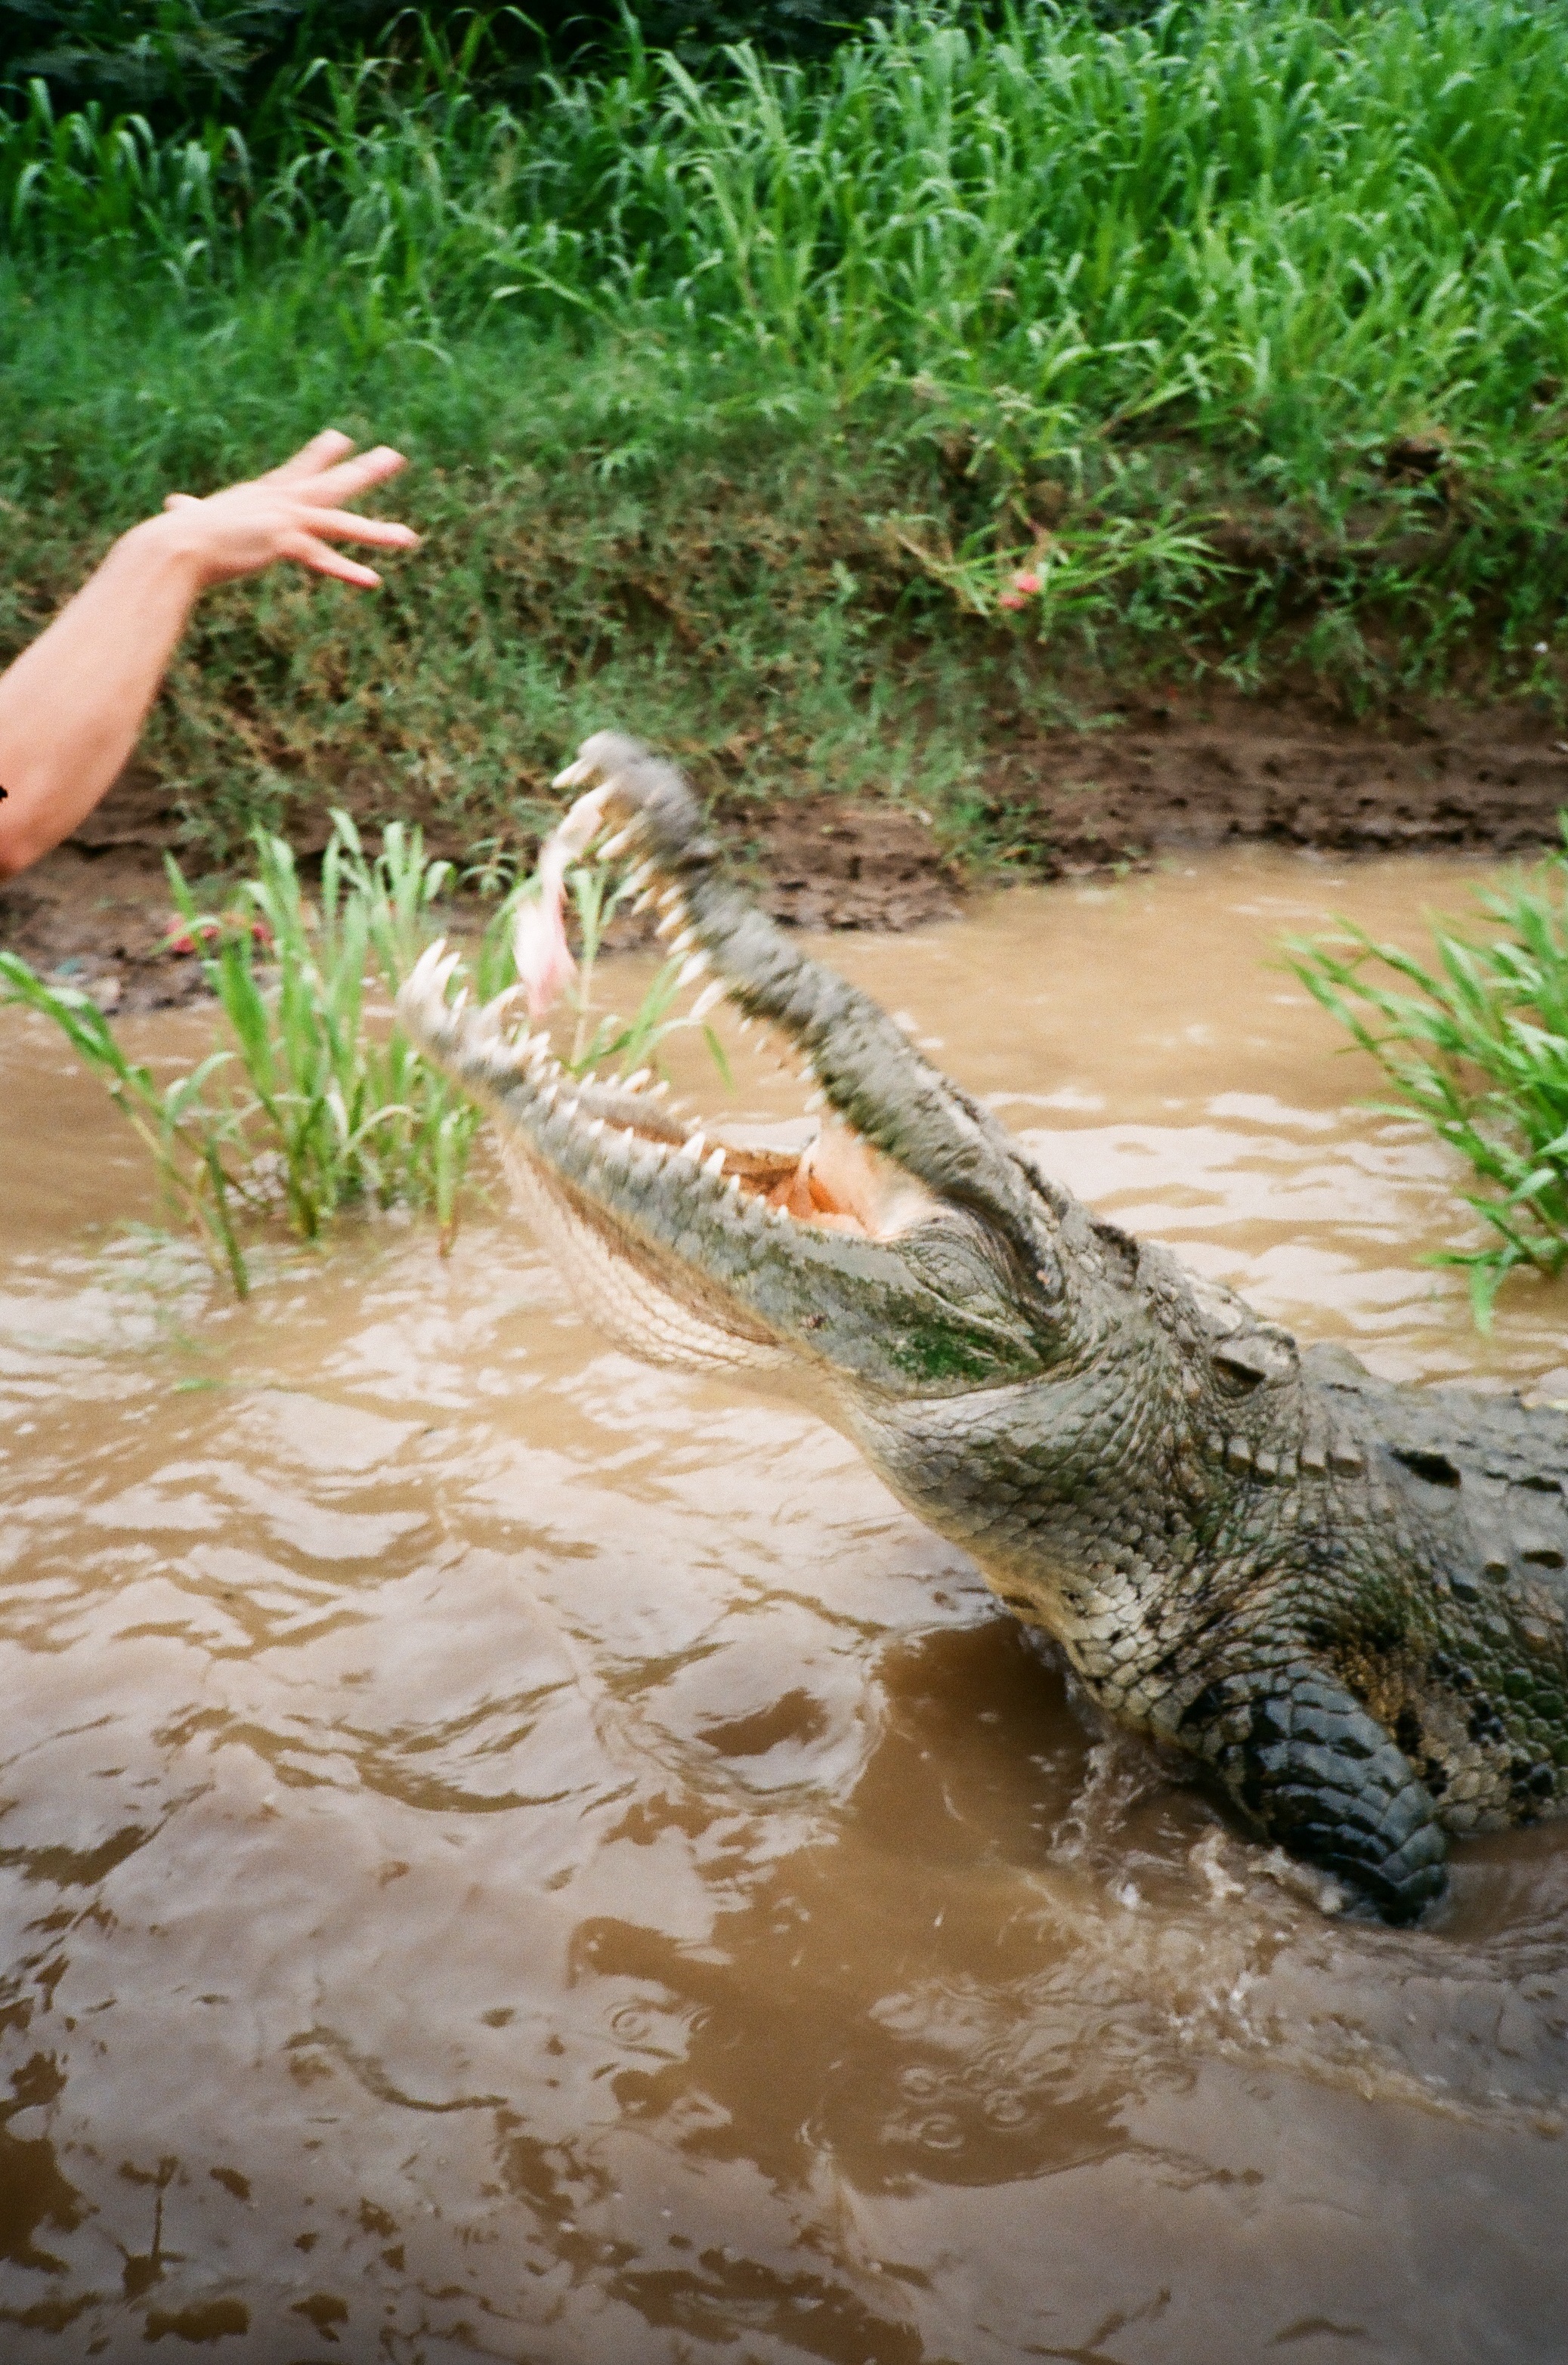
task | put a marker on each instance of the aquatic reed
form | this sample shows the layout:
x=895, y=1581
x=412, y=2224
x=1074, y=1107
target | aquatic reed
x=1478, y=1051
x=313, y=1101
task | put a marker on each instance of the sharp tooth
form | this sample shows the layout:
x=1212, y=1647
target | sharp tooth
x=421, y=977
x=781, y=1215
x=590, y=1078
x=630, y=1136
x=714, y=1165
x=547, y=1097
x=694, y=968
x=575, y=776
x=684, y=942
x=693, y=1146
x=595, y=1128
x=634, y=1083
x=706, y=998
x=570, y=1108
x=619, y=843
x=668, y=925
x=744, y=1025
x=659, y=1090
x=636, y=880
x=732, y=1187
x=670, y=898
x=503, y=1004
x=818, y=1100
x=441, y=975
x=642, y=902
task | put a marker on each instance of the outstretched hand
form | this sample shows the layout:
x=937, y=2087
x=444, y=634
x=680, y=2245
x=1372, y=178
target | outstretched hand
x=71, y=704
x=294, y=512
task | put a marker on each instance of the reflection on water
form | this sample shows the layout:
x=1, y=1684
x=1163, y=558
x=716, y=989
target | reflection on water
x=509, y=1854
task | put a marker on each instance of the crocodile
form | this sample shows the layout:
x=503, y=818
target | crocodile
x=1340, y=1601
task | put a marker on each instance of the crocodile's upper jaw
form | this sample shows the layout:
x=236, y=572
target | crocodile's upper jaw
x=908, y=1248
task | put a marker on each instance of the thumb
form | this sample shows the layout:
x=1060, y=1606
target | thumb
x=181, y=501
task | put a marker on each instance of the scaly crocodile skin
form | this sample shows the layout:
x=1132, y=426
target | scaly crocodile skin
x=1346, y=1599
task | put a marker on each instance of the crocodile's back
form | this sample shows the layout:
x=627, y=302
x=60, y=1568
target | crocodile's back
x=1505, y=1461
x=1474, y=1682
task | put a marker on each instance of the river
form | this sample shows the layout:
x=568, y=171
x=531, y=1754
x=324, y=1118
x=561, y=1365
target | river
x=510, y=1854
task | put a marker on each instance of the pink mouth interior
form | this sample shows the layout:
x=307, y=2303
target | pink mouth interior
x=544, y=962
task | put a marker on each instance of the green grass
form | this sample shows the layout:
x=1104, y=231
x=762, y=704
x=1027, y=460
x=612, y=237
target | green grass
x=740, y=401
x=312, y=1103
x=1479, y=1053
x=305, y=1106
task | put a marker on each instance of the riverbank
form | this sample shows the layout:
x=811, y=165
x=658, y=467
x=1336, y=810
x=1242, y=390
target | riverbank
x=1146, y=779
x=1048, y=443
x=844, y=425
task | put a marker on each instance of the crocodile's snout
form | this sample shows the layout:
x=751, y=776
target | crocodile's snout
x=906, y=1245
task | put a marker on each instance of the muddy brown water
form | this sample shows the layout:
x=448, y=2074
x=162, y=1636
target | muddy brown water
x=510, y=1854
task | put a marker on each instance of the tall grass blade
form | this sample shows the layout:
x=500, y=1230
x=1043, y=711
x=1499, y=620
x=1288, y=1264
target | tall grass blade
x=1476, y=1046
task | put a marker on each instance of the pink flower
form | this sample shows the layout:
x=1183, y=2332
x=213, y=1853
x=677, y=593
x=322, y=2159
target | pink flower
x=208, y=933
x=1026, y=581
x=1010, y=599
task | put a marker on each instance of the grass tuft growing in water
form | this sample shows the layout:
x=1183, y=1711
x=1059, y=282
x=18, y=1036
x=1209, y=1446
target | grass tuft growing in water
x=306, y=1107
x=314, y=1102
x=1478, y=1050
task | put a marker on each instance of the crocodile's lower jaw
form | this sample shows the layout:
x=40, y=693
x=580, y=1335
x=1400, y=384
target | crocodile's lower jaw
x=620, y=1291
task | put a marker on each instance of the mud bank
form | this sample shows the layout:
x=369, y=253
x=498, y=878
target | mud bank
x=1158, y=774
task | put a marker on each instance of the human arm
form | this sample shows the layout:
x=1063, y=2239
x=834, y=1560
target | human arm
x=74, y=703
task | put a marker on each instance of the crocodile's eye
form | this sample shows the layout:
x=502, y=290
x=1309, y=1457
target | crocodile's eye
x=1245, y=1362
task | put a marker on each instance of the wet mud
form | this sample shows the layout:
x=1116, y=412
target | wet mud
x=1209, y=767
x=509, y=1854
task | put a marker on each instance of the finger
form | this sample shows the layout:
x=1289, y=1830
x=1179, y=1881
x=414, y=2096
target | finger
x=345, y=483
x=387, y=531
x=323, y=451
x=322, y=559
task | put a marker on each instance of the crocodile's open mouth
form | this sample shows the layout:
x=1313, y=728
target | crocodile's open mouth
x=831, y=1178
x=890, y=1239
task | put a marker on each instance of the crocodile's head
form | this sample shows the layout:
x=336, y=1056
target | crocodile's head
x=909, y=1252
